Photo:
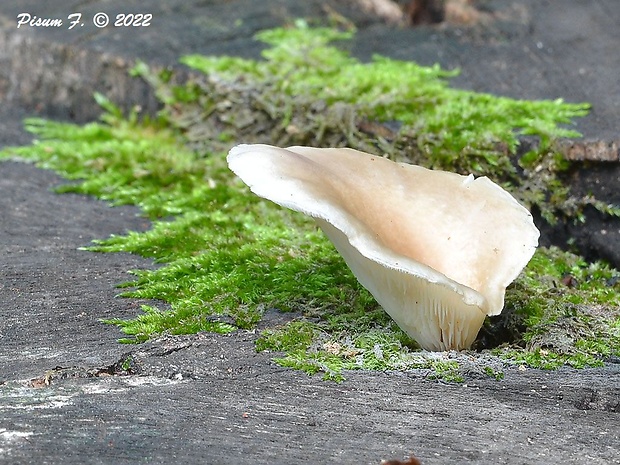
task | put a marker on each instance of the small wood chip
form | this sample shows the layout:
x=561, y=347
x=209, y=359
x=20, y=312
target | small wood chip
x=589, y=150
x=410, y=461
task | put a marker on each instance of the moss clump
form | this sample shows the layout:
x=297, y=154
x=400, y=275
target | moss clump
x=445, y=127
x=226, y=255
x=306, y=91
x=569, y=309
x=329, y=349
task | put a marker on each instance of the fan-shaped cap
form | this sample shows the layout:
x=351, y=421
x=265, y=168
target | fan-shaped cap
x=436, y=249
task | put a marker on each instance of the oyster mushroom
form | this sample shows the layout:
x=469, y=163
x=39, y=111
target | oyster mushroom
x=436, y=249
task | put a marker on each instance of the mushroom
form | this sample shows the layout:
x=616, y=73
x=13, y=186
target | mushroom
x=436, y=249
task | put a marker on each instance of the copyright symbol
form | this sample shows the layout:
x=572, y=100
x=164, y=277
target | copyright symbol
x=101, y=20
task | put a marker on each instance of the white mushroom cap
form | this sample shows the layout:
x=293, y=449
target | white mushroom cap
x=436, y=249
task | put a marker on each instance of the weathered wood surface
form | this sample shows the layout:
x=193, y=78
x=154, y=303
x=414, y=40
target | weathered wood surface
x=212, y=399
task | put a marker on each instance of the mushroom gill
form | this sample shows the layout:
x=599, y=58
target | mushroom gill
x=436, y=249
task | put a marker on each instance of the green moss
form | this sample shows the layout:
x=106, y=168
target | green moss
x=493, y=373
x=450, y=128
x=319, y=347
x=307, y=91
x=226, y=252
x=226, y=256
x=570, y=311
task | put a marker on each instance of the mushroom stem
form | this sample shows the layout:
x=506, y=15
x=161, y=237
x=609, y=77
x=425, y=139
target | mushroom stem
x=432, y=314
